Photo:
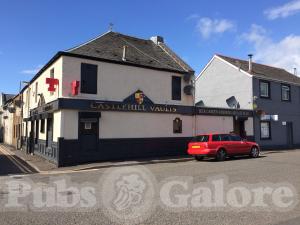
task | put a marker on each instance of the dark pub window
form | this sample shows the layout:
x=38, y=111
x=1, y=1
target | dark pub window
x=88, y=78
x=42, y=126
x=176, y=88
x=285, y=92
x=177, y=126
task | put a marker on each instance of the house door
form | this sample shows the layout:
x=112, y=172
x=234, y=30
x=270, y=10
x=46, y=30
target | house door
x=49, y=135
x=289, y=134
x=88, y=134
x=239, y=127
x=31, y=137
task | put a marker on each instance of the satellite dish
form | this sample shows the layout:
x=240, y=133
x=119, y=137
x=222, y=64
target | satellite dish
x=232, y=102
x=200, y=104
x=188, y=90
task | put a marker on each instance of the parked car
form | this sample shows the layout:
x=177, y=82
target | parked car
x=221, y=146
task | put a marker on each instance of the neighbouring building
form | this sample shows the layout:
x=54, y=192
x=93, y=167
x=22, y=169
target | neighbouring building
x=4, y=98
x=116, y=97
x=272, y=93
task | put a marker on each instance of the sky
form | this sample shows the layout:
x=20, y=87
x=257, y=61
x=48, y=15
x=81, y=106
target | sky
x=32, y=31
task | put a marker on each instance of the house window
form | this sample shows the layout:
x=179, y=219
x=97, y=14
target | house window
x=265, y=130
x=176, y=88
x=42, y=130
x=36, y=91
x=264, y=89
x=88, y=78
x=52, y=76
x=52, y=73
x=285, y=92
x=177, y=126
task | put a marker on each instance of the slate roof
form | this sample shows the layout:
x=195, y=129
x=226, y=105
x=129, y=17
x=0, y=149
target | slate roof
x=140, y=52
x=263, y=71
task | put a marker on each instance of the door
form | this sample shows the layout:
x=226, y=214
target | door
x=31, y=137
x=239, y=127
x=88, y=134
x=289, y=134
x=49, y=136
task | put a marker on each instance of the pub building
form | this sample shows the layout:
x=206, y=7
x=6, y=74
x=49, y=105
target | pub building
x=116, y=97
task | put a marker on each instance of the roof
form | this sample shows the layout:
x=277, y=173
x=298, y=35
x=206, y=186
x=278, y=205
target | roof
x=6, y=98
x=263, y=71
x=140, y=52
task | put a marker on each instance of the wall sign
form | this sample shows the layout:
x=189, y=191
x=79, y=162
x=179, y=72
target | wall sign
x=75, y=87
x=52, y=82
x=223, y=112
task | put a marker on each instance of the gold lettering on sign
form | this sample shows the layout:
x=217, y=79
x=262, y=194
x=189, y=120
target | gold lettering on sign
x=131, y=107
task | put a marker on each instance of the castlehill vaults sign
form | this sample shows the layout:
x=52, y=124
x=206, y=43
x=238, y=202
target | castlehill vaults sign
x=132, y=107
x=137, y=102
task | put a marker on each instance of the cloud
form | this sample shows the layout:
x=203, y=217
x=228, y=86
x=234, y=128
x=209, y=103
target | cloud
x=192, y=17
x=32, y=71
x=283, y=11
x=284, y=53
x=208, y=27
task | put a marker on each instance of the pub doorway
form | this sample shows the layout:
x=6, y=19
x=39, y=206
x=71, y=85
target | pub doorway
x=239, y=126
x=88, y=132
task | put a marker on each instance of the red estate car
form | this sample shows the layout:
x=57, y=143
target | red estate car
x=220, y=146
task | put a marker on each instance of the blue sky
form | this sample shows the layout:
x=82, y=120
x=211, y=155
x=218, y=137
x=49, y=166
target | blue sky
x=32, y=31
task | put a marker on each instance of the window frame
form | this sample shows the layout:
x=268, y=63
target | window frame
x=269, y=89
x=289, y=96
x=179, y=124
x=269, y=126
x=174, y=92
x=42, y=126
x=86, y=90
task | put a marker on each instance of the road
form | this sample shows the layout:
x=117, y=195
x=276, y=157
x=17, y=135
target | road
x=271, y=169
x=10, y=164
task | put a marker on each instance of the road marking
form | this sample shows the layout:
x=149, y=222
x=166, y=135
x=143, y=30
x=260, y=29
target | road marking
x=12, y=158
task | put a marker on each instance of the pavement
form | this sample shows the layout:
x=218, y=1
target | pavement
x=273, y=167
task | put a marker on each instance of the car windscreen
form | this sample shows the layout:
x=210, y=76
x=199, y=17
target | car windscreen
x=201, y=138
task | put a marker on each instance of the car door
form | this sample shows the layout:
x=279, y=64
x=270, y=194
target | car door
x=240, y=146
x=227, y=143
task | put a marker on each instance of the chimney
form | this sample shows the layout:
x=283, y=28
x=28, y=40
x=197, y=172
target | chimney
x=250, y=63
x=157, y=39
x=295, y=71
x=124, y=52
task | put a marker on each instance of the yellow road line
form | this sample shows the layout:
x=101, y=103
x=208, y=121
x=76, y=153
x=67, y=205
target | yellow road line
x=15, y=161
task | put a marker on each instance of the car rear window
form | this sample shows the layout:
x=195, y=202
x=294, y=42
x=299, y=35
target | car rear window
x=201, y=138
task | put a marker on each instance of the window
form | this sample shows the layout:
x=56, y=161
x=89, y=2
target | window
x=201, y=138
x=176, y=88
x=216, y=137
x=265, y=130
x=225, y=137
x=52, y=76
x=36, y=91
x=264, y=89
x=88, y=78
x=42, y=130
x=235, y=138
x=177, y=126
x=285, y=92
x=52, y=73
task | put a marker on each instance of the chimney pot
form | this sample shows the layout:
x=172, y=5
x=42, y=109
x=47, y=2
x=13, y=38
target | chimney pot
x=295, y=71
x=250, y=63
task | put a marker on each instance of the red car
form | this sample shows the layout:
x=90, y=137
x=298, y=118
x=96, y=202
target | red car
x=220, y=146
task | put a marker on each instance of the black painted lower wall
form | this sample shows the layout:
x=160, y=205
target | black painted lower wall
x=70, y=152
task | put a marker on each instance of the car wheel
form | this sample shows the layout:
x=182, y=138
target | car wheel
x=199, y=158
x=254, y=153
x=221, y=155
